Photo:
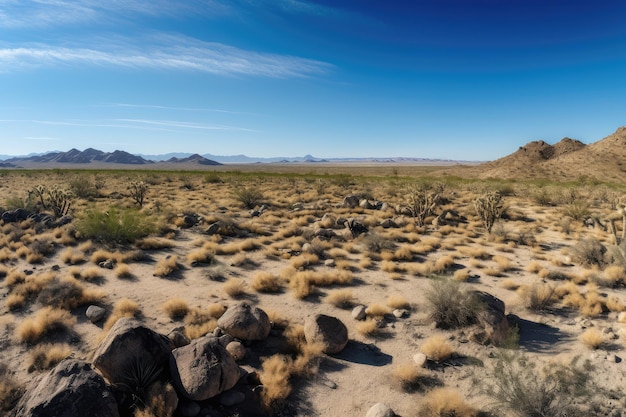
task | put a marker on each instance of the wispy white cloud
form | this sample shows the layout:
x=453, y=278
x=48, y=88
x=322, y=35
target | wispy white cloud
x=40, y=138
x=16, y=14
x=84, y=123
x=164, y=52
x=160, y=107
x=185, y=125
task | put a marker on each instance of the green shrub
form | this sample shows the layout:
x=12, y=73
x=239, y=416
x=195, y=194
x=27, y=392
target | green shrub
x=249, y=197
x=81, y=187
x=588, y=252
x=450, y=306
x=577, y=210
x=116, y=225
x=554, y=391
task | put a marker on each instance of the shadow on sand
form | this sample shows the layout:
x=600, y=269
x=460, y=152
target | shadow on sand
x=365, y=354
x=536, y=337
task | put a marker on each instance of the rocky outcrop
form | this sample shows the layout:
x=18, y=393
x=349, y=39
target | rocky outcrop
x=245, y=322
x=203, y=369
x=130, y=344
x=327, y=330
x=493, y=326
x=71, y=389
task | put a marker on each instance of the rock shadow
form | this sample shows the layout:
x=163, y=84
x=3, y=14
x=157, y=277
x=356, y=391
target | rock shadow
x=364, y=354
x=536, y=337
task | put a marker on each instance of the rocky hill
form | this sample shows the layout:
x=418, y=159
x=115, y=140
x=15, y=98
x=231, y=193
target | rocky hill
x=566, y=160
x=193, y=159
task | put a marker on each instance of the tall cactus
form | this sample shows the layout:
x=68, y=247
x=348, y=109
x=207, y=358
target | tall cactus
x=489, y=208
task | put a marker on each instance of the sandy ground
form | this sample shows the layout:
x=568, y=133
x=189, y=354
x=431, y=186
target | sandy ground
x=351, y=382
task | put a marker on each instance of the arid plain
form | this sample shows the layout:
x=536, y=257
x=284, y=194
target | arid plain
x=409, y=244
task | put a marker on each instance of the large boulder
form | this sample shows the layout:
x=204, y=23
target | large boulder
x=129, y=345
x=492, y=322
x=351, y=201
x=245, y=322
x=203, y=369
x=327, y=330
x=71, y=389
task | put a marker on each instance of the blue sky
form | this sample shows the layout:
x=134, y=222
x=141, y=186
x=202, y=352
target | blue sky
x=458, y=79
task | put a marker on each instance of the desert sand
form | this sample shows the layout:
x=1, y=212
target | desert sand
x=530, y=250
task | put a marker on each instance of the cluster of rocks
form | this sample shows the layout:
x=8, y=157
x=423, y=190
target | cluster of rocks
x=354, y=201
x=20, y=214
x=136, y=366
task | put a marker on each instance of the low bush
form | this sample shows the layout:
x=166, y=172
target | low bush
x=115, y=225
x=450, y=306
x=44, y=322
x=519, y=386
x=445, y=402
x=437, y=348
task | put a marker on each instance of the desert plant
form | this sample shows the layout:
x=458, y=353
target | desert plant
x=554, y=391
x=81, y=187
x=341, y=298
x=55, y=199
x=445, y=402
x=592, y=338
x=577, y=210
x=139, y=374
x=10, y=391
x=44, y=322
x=115, y=225
x=46, y=356
x=422, y=199
x=489, y=208
x=538, y=296
x=249, y=197
x=166, y=266
x=450, y=305
x=437, y=348
x=266, y=282
x=235, y=287
x=138, y=191
x=589, y=251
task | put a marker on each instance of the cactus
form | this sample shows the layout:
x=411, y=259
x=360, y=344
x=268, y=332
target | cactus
x=422, y=201
x=138, y=191
x=489, y=208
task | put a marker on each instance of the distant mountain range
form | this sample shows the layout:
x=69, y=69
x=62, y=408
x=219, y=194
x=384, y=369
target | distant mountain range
x=90, y=155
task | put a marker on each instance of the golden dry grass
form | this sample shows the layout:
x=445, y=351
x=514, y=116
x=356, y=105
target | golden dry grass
x=235, y=287
x=44, y=322
x=266, y=282
x=176, y=308
x=123, y=271
x=592, y=338
x=445, y=402
x=46, y=356
x=377, y=310
x=407, y=376
x=437, y=348
x=123, y=308
x=398, y=301
x=368, y=327
x=166, y=266
x=341, y=298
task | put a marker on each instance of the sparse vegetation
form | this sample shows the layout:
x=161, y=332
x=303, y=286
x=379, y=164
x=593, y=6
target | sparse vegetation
x=450, y=305
x=114, y=225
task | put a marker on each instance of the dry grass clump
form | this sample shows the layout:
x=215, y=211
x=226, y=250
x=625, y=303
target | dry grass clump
x=450, y=306
x=91, y=273
x=368, y=327
x=510, y=284
x=123, y=308
x=44, y=322
x=278, y=370
x=398, y=301
x=445, y=402
x=176, y=308
x=242, y=260
x=504, y=263
x=592, y=338
x=443, y=263
x=304, y=260
x=67, y=293
x=266, y=282
x=613, y=276
x=15, y=301
x=377, y=311
x=235, y=287
x=102, y=255
x=72, y=256
x=534, y=267
x=46, y=356
x=10, y=391
x=341, y=298
x=391, y=266
x=461, y=275
x=303, y=283
x=122, y=271
x=408, y=376
x=437, y=348
x=199, y=322
x=166, y=266
x=537, y=296
x=475, y=252
x=201, y=256
x=154, y=243
x=14, y=277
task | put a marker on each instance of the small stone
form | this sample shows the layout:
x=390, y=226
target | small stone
x=230, y=398
x=358, y=312
x=217, y=332
x=622, y=317
x=400, y=312
x=307, y=248
x=420, y=359
x=617, y=359
x=236, y=350
x=95, y=313
x=329, y=262
x=55, y=267
x=380, y=410
x=330, y=384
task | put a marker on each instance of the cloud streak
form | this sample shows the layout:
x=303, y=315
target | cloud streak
x=163, y=53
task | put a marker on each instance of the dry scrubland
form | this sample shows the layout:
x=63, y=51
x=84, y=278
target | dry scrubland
x=176, y=249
